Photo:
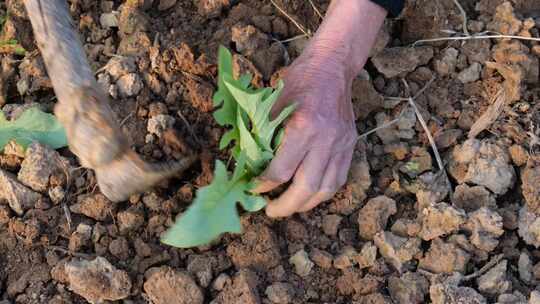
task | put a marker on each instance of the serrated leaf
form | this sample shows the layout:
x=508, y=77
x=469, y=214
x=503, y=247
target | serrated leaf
x=214, y=210
x=226, y=114
x=257, y=106
x=32, y=125
x=246, y=112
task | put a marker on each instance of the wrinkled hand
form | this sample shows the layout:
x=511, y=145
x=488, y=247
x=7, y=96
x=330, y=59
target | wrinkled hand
x=320, y=136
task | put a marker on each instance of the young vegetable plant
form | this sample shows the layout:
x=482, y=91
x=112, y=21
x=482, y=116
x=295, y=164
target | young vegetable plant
x=32, y=125
x=254, y=138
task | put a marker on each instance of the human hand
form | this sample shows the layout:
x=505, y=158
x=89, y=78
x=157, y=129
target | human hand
x=320, y=136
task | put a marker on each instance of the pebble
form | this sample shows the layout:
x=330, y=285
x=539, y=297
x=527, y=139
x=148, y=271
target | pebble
x=97, y=281
x=470, y=74
x=302, y=263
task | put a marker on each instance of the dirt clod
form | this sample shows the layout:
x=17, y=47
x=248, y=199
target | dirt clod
x=395, y=249
x=441, y=219
x=395, y=61
x=301, y=262
x=411, y=288
x=444, y=257
x=280, y=293
x=483, y=163
x=16, y=194
x=97, y=280
x=373, y=217
x=41, y=166
x=495, y=282
x=165, y=285
x=95, y=206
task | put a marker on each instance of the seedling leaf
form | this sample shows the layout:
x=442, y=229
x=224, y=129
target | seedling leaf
x=246, y=112
x=214, y=210
x=32, y=125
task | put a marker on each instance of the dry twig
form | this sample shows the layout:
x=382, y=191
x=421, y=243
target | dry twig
x=298, y=25
x=490, y=115
x=317, y=11
x=484, y=269
x=463, y=16
x=426, y=129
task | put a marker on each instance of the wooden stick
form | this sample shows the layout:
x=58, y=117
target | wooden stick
x=93, y=132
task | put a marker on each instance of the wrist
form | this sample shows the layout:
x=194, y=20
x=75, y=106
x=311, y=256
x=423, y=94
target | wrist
x=347, y=34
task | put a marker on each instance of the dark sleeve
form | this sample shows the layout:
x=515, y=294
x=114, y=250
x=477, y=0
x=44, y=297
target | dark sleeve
x=394, y=7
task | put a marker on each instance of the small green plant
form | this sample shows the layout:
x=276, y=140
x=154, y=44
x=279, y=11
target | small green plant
x=32, y=125
x=254, y=138
x=12, y=45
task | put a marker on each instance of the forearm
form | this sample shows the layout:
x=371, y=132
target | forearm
x=348, y=33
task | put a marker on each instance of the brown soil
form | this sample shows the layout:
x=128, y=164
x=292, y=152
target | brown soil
x=394, y=234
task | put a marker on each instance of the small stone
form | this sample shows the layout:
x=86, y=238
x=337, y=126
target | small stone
x=165, y=285
x=444, y=258
x=406, y=227
x=518, y=154
x=525, y=267
x=439, y=220
x=201, y=267
x=243, y=290
x=367, y=255
x=396, y=250
x=509, y=298
x=166, y=4
x=529, y=227
x=447, y=138
x=331, y=223
x=398, y=150
x=470, y=74
x=472, y=198
x=5, y=214
x=280, y=293
x=495, y=282
x=108, y=20
x=484, y=226
x=530, y=179
x=159, y=123
x=129, y=85
x=222, y=281
x=535, y=297
x=130, y=220
x=346, y=258
x=373, y=217
x=248, y=39
x=120, y=248
x=393, y=61
x=321, y=258
x=482, y=163
x=451, y=294
x=17, y=195
x=97, y=280
x=80, y=238
x=57, y=194
x=95, y=206
x=212, y=8
x=411, y=287
x=302, y=263
x=120, y=66
x=387, y=135
x=40, y=165
x=447, y=64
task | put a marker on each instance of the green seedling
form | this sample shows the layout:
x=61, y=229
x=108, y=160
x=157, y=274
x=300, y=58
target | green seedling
x=253, y=139
x=32, y=125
